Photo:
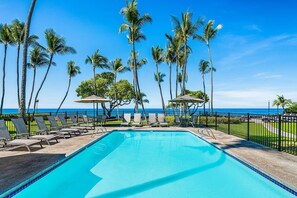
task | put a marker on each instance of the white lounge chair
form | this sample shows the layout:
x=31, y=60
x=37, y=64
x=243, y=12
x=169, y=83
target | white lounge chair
x=161, y=120
x=152, y=121
x=137, y=120
x=22, y=131
x=126, y=119
x=8, y=141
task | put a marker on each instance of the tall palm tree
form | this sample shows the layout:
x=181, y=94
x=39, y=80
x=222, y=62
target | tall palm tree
x=5, y=39
x=184, y=30
x=97, y=60
x=17, y=34
x=116, y=67
x=55, y=45
x=72, y=71
x=170, y=59
x=158, y=57
x=38, y=58
x=209, y=33
x=24, y=65
x=133, y=24
x=159, y=77
x=204, y=69
x=281, y=101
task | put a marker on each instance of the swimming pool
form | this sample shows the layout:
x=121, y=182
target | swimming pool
x=152, y=164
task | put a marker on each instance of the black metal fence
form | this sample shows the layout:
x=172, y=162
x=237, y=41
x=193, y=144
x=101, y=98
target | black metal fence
x=275, y=131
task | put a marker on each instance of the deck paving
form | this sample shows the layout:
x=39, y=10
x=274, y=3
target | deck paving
x=18, y=165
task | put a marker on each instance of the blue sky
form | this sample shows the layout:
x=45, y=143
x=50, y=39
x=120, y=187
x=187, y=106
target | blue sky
x=254, y=54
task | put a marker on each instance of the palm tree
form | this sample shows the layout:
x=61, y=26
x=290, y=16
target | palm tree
x=96, y=60
x=24, y=66
x=116, y=67
x=55, y=45
x=38, y=58
x=17, y=34
x=159, y=77
x=72, y=71
x=184, y=30
x=170, y=59
x=133, y=24
x=5, y=39
x=204, y=69
x=158, y=57
x=209, y=33
x=281, y=101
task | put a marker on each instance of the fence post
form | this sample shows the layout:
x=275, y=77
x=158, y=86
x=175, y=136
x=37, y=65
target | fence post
x=77, y=116
x=279, y=132
x=248, y=126
x=216, y=121
x=29, y=123
x=229, y=123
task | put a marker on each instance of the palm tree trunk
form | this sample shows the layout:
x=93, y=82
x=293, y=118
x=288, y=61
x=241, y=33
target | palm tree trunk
x=32, y=90
x=135, y=77
x=18, y=73
x=41, y=85
x=211, y=79
x=69, y=83
x=184, y=70
x=115, y=94
x=204, y=97
x=95, y=90
x=170, y=76
x=176, y=82
x=163, y=104
x=24, y=66
x=140, y=97
x=3, y=79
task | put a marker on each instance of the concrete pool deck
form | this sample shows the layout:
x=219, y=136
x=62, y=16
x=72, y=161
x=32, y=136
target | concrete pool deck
x=18, y=165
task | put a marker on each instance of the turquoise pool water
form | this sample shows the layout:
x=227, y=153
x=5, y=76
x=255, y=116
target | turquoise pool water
x=153, y=164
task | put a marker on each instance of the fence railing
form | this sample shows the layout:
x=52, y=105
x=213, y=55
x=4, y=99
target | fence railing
x=275, y=131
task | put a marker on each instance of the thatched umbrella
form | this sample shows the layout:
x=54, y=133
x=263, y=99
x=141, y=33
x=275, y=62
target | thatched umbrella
x=186, y=99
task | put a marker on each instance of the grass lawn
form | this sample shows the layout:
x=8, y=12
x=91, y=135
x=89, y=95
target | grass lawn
x=287, y=127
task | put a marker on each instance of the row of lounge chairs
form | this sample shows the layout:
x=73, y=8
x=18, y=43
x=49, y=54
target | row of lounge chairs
x=43, y=134
x=153, y=120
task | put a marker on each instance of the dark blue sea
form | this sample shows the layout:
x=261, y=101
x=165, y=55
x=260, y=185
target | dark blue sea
x=90, y=111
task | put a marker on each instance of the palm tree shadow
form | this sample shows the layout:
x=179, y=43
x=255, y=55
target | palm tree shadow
x=163, y=181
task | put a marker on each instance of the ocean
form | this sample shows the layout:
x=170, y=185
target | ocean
x=90, y=111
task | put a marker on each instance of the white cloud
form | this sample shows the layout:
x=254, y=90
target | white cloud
x=267, y=75
x=253, y=27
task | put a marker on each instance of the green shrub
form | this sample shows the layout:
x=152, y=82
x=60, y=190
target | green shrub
x=170, y=120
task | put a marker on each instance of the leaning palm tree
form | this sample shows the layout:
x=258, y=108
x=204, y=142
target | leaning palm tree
x=184, y=30
x=281, y=101
x=24, y=65
x=38, y=58
x=72, y=71
x=5, y=39
x=116, y=67
x=159, y=77
x=158, y=57
x=209, y=33
x=55, y=45
x=204, y=69
x=133, y=24
x=170, y=59
x=17, y=34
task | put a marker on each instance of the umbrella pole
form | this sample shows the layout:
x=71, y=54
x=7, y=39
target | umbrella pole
x=94, y=114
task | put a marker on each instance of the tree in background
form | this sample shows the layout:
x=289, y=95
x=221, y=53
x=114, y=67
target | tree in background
x=133, y=24
x=159, y=77
x=17, y=34
x=292, y=108
x=72, y=71
x=209, y=33
x=106, y=88
x=184, y=30
x=282, y=102
x=24, y=65
x=204, y=69
x=192, y=108
x=55, y=45
x=116, y=67
x=5, y=39
x=38, y=58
